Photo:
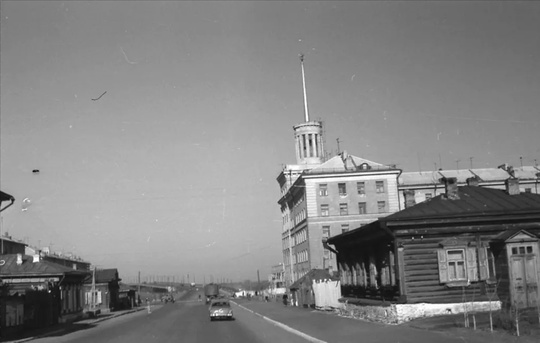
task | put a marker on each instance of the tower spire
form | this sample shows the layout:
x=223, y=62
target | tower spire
x=306, y=112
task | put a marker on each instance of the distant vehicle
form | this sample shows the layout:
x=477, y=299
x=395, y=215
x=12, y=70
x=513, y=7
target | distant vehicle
x=211, y=291
x=192, y=284
x=220, y=309
x=167, y=298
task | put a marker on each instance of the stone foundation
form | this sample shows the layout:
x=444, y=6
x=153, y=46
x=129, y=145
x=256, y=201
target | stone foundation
x=401, y=313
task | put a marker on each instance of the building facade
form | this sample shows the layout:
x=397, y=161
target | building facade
x=330, y=198
x=427, y=185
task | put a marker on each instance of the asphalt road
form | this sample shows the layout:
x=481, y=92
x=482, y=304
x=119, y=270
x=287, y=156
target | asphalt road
x=187, y=320
x=183, y=321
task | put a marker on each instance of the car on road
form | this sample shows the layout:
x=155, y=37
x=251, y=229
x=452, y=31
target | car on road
x=167, y=298
x=220, y=309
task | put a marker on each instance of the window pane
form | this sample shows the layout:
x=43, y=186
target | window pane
x=326, y=231
x=362, y=208
x=361, y=188
x=342, y=189
x=324, y=211
x=343, y=209
x=323, y=189
x=454, y=255
x=381, y=206
x=379, y=185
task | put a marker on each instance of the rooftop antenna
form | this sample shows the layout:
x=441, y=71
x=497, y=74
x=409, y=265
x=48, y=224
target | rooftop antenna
x=521, y=161
x=338, y=150
x=470, y=159
x=306, y=112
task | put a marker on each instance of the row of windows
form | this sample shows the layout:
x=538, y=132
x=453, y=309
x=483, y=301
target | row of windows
x=300, y=257
x=299, y=237
x=300, y=216
x=360, y=188
x=344, y=208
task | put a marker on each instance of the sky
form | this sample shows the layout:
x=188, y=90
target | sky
x=172, y=171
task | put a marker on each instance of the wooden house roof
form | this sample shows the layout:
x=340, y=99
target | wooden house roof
x=471, y=201
x=29, y=268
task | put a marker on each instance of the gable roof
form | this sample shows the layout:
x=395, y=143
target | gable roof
x=472, y=201
x=6, y=197
x=28, y=268
x=346, y=163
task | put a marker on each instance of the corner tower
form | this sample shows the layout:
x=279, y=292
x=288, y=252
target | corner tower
x=308, y=135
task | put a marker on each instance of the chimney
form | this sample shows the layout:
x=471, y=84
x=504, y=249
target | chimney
x=19, y=259
x=408, y=194
x=472, y=181
x=451, y=188
x=36, y=258
x=512, y=186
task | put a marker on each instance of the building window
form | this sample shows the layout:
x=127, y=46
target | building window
x=323, y=189
x=361, y=188
x=362, y=209
x=381, y=205
x=343, y=209
x=428, y=196
x=326, y=231
x=379, y=186
x=528, y=190
x=460, y=265
x=344, y=228
x=456, y=265
x=324, y=210
x=342, y=189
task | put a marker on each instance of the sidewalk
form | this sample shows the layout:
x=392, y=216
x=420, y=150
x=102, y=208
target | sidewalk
x=327, y=326
x=69, y=327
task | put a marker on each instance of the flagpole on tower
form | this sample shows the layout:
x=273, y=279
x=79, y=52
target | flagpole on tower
x=306, y=112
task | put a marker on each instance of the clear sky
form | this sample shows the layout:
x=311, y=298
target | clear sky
x=173, y=170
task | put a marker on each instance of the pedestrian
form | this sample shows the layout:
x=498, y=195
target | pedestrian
x=285, y=299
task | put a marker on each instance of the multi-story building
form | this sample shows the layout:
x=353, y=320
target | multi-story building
x=416, y=187
x=340, y=194
x=321, y=198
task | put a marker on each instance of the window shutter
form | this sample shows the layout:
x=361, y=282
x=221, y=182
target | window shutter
x=443, y=267
x=472, y=266
x=483, y=263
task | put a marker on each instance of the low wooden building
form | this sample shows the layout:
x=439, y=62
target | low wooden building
x=106, y=294
x=469, y=245
x=37, y=293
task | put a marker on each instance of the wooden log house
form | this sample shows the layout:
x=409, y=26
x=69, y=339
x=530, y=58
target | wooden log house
x=470, y=244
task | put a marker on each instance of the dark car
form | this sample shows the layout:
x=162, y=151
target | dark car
x=220, y=309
